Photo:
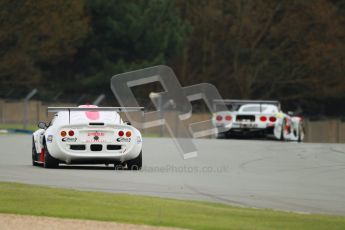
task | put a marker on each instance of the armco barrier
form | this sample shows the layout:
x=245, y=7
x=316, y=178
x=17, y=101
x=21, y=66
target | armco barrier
x=11, y=112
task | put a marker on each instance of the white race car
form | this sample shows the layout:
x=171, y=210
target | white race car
x=256, y=118
x=87, y=135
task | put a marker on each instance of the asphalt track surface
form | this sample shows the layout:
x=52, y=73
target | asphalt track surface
x=264, y=174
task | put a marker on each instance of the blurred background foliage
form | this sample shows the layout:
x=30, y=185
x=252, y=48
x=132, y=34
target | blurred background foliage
x=290, y=50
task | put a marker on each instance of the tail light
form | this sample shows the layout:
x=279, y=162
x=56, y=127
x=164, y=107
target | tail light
x=263, y=118
x=63, y=133
x=228, y=118
x=219, y=118
x=273, y=119
x=71, y=133
x=121, y=133
x=128, y=134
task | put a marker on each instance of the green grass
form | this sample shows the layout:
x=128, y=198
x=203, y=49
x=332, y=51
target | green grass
x=43, y=201
x=30, y=127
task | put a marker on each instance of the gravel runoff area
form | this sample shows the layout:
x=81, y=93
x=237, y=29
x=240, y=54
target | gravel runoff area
x=10, y=221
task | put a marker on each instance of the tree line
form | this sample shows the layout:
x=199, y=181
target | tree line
x=290, y=50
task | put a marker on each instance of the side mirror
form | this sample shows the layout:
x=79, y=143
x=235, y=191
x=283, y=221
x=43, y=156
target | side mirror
x=42, y=125
x=290, y=113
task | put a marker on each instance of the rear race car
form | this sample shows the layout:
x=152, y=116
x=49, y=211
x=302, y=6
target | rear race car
x=256, y=119
x=87, y=135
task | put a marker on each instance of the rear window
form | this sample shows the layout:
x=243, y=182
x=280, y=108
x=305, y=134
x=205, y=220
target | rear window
x=254, y=108
x=230, y=107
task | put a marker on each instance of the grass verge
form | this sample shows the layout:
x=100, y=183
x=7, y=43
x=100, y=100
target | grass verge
x=30, y=127
x=66, y=203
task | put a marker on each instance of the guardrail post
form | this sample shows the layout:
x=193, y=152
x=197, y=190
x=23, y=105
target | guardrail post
x=338, y=130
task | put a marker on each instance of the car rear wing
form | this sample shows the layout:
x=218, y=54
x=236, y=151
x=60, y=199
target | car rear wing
x=115, y=109
x=78, y=109
x=237, y=103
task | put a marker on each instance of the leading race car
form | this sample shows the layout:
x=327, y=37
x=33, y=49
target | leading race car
x=256, y=118
x=87, y=135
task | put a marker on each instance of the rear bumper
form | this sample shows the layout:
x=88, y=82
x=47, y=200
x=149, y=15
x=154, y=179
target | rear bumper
x=100, y=154
x=83, y=146
x=250, y=131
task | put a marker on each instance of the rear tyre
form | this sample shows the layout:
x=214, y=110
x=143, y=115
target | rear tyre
x=136, y=163
x=300, y=132
x=282, y=135
x=118, y=165
x=49, y=161
x=34, y=154
x=221, y=135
